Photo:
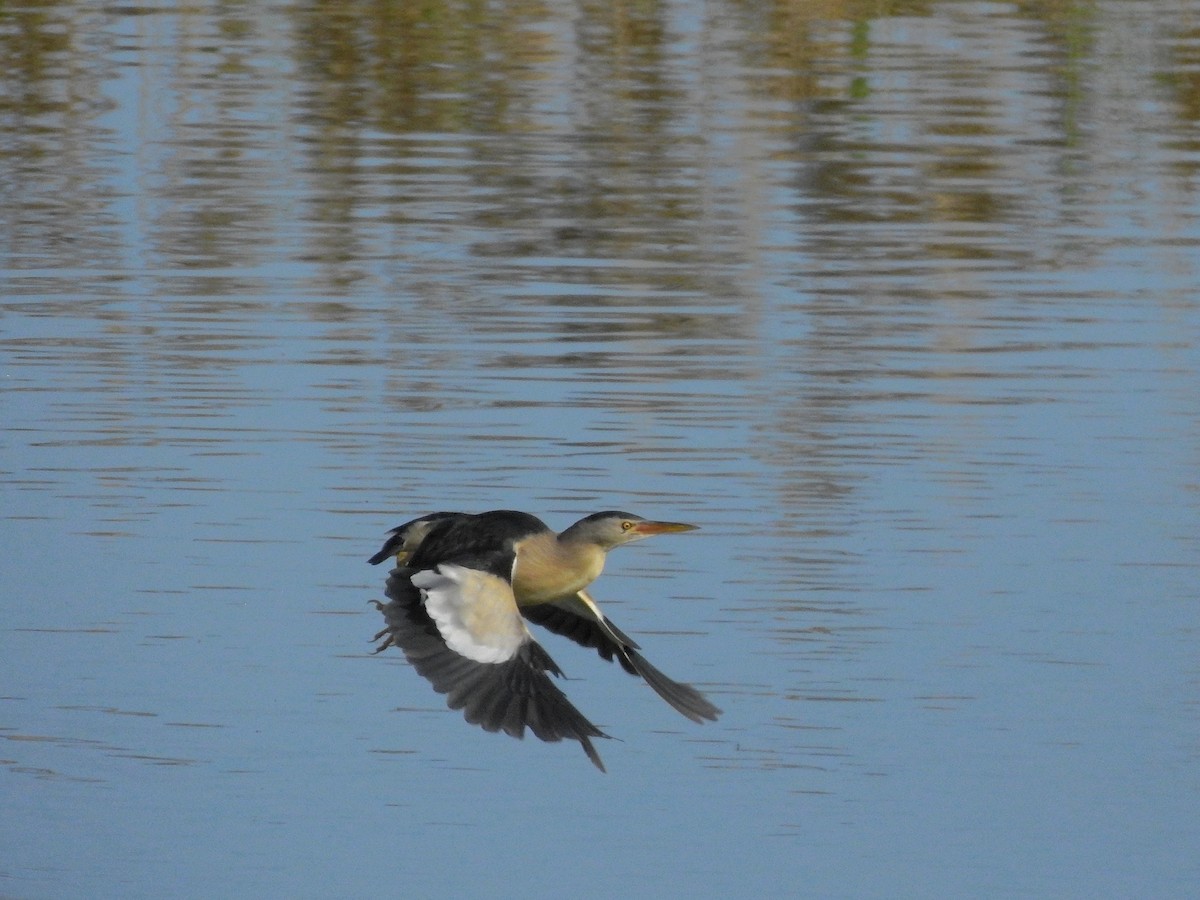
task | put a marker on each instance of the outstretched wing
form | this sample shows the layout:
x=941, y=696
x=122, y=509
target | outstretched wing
x=458, y=625
x=579, y=618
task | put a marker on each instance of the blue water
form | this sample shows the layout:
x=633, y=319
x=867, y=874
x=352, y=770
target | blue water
x=900, y=309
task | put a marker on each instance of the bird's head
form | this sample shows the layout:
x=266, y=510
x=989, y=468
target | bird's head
x=613, y=528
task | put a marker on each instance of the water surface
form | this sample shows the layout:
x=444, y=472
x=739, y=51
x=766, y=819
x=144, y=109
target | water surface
x=898, y=303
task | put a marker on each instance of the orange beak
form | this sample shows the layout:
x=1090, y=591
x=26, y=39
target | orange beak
x=649, y=528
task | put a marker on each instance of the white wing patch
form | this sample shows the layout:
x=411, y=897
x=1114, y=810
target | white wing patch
x=475, y=613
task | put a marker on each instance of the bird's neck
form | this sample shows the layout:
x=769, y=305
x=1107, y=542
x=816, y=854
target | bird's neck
x=549, y=568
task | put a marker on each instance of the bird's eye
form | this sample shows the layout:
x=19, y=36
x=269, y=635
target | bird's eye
x=625, y=526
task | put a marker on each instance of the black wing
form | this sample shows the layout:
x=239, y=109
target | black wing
x=404, y=539
x=579, y=619
x=510, y=695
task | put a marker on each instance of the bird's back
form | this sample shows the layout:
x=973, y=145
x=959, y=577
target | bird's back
x=462, y=537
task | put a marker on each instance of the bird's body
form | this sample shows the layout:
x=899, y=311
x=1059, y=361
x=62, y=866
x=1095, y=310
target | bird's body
x=549, y=569
x=463, y=585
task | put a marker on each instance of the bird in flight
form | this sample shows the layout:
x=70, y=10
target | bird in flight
x=460, y=593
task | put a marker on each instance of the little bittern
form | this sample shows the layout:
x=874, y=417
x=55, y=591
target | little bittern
x=462, y=587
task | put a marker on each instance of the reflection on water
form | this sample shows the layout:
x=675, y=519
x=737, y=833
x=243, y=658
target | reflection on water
x=898, y=302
